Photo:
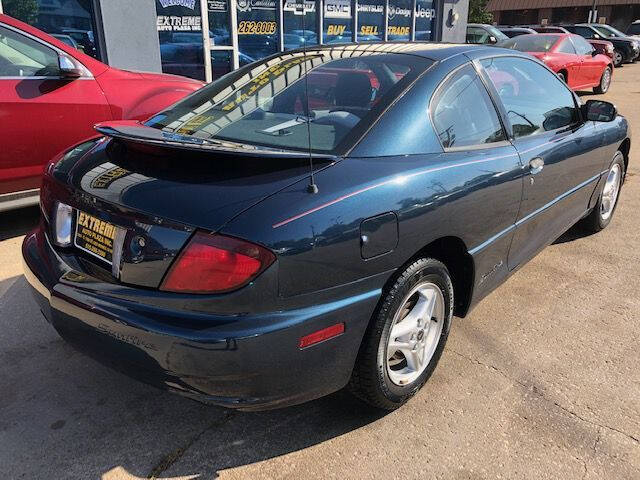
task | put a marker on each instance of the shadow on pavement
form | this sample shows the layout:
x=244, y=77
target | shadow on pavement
x=87, y=421
x=15, y=223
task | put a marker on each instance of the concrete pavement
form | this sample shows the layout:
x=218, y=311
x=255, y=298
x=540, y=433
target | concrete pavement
x=542, y=380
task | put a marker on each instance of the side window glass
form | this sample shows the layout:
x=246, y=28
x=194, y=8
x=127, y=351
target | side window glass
x=584, y=32
x=463, y=114
x=583, y=47
x=535, y=99
x=566, y=47
x=21, y=56
x=476, y=35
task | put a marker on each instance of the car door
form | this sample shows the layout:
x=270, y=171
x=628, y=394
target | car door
x=590, y=67
x=565, y=53
x=559, y=152
x=41, y=112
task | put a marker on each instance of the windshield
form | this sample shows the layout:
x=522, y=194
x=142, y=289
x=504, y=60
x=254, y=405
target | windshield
x=531, y=43
x=609, y=31
x=265, y=104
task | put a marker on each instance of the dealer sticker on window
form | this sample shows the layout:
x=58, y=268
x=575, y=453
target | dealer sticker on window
x=95, y=236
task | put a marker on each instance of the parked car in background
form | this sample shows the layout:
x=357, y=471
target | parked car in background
x=625, y=50
x=202, y=253
x=481, y=33
x=51, y=95
x=603, y=47
x=84, y=38
x=634, y=29
x=68, y=40
x=570, y=56
x=515, y=31
x=548, y=29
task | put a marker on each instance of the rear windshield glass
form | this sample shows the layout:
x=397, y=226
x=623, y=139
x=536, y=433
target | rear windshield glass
x=266, y=104
x=531, y=43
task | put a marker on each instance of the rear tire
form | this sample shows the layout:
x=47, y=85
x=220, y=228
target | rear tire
x=605, y=82
x=618, y=58
x=605, y=207
x=406, y=336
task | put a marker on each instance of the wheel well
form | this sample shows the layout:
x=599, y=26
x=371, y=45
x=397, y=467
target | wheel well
x=454, y=254
x=625, y=148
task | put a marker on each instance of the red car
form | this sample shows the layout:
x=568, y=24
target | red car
x=51, y=95
x=602, y=46
x=572, y=58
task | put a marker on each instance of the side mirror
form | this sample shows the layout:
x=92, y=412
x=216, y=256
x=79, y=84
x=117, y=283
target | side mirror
x=599, y=111
x=594, y=52
x=493, y=39
x=69, y=68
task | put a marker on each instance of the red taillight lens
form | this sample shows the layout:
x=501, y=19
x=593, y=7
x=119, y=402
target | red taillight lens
x=215, y=263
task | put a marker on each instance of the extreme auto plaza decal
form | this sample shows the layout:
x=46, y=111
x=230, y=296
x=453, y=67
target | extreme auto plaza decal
x=192, y=22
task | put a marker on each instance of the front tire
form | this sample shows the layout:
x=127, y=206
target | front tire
x=406, y=336
x=602, y=213
x=605, y=82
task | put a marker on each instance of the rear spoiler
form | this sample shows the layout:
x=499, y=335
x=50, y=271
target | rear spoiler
x=131, y=131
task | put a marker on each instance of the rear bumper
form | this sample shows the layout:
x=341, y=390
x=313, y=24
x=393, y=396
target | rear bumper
x=244, y=361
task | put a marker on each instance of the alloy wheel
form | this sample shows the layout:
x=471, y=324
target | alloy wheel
x=610, y=191
x=415, y=333
x=605, y=81
x=617, y=58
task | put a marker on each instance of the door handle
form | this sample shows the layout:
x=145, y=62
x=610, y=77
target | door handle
x=536, y=165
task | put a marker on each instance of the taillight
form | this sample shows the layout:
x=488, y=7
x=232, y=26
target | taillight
x=215, y=264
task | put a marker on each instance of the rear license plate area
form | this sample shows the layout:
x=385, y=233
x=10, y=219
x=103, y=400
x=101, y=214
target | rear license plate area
x=95, y=236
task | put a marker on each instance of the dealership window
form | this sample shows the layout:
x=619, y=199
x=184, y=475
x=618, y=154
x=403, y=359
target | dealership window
x=300, y=23
x=180, y=35
x=399, y=14
x=219, y=25
x=71, y=21
x=370, y=21
x=257, y=28
x=425, y=17
x=337, y=22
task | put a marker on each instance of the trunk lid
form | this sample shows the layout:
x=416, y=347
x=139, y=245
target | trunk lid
x=202, y=184
x=156, y=190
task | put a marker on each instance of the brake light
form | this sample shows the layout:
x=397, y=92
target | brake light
x=215, y=264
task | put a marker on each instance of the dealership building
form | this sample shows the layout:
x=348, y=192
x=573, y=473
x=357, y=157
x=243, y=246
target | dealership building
x=618, y=13
x=205, y=39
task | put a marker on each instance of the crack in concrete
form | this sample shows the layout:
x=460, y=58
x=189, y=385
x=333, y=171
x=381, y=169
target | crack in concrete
x=175, y=455
x=536, y=391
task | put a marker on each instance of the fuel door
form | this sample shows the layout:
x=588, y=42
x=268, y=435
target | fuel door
x=378, y=235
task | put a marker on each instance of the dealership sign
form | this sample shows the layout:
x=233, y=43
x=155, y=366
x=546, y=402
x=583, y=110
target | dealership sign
x=422, y=12
x=249, y=5
x=178, y=3
x=295, y=7
x=337, y=9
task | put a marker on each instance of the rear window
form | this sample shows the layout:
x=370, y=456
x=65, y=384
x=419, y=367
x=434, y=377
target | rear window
x=531, y=43
x=266, y=104
x=634, y=29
